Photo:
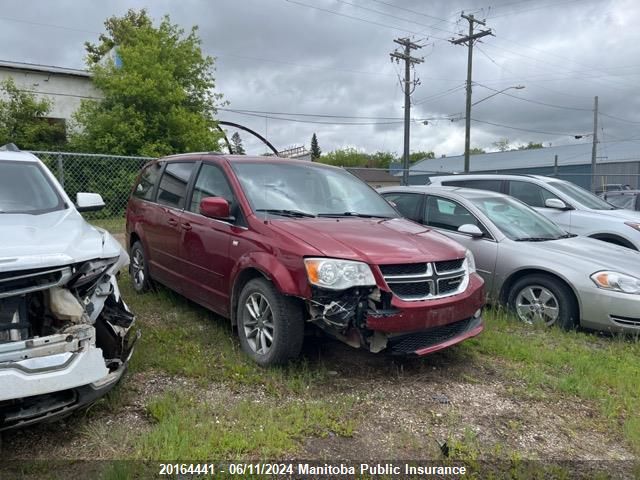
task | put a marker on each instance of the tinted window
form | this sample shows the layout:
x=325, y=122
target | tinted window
x=529, y=193
x=148, y=181
x=408, y=204
x=173, y=185
x=24, y=188
x=622, y=201
x=447, y=214
x=211, y=182
x=479, y=184
x=581, y=195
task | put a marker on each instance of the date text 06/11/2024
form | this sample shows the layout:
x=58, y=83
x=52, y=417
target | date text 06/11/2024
x=307, y=469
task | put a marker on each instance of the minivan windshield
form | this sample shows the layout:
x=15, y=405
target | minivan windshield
x=518, y=221
x=308, y=189
x=582, y=196
x=24, y=188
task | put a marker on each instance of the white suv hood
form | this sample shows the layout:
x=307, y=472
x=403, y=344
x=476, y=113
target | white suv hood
x=51, y=239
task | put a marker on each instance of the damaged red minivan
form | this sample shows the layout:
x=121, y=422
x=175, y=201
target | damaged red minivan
x=276, y=244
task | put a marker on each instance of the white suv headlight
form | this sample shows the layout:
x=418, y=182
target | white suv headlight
x=471, y=261
x=618, y=282
x=338, y=274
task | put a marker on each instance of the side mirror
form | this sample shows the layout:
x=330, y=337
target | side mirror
x=89, y=202
x=215, y=207
x=470, y=229
x=555, y=203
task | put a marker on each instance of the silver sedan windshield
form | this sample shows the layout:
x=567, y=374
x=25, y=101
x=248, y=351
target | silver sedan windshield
x=516, y=220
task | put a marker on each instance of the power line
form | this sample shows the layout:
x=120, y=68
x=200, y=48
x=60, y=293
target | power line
x=322, y=115
x=564, y=107
x=295, y=120
x=439, y=95
x=51, y=25
x=413, y=11
x=523, y=129
x=620, y=119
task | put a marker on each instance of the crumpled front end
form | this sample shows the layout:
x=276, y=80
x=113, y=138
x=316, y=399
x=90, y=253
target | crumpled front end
x=66, y=337
x=415, y=309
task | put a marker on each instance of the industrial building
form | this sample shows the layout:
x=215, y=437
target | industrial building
x=616, y=162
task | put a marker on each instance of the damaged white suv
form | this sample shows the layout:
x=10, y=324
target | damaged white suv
x=65, y=334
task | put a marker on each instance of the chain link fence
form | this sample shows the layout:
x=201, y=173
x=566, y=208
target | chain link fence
x=111, y=176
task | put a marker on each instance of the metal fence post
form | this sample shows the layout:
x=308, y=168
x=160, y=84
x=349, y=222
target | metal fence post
x=61, y=170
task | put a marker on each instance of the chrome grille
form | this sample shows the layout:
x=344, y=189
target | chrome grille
x=422, y=281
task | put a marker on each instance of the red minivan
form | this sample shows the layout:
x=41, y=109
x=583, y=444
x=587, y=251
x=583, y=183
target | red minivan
x=275, y=244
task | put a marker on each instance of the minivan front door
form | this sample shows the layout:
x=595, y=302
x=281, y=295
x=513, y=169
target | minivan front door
x=205, y=242
x=535, y=196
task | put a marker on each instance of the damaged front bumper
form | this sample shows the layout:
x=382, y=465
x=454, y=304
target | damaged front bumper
x=64, y=346
x=377, y=320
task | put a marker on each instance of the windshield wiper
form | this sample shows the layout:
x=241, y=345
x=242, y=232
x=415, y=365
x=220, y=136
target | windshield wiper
x=352, y=214
x=286, y=213
x=534, y=239
x=568, y=235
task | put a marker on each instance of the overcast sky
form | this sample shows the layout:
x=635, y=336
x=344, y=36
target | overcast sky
x=331, y=58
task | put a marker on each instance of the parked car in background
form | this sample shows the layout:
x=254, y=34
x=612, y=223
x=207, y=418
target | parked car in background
x=274, y=244
x=611, y=187
x=574, y=209
x=626, y=199
x=65, y=333
x=541, y=272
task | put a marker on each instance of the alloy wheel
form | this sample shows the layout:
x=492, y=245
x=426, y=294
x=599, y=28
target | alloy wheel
x=258, y=323
x=537, y=304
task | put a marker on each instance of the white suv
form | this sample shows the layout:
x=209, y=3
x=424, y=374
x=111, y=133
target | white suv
x=571, y=207
x=65, y=334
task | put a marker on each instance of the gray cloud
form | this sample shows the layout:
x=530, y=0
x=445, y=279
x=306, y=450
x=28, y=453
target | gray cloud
x=278, y=56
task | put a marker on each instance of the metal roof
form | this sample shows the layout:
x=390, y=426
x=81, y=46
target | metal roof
x=577, y=154
x=34, y=67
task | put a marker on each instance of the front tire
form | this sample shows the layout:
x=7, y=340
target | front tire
x=139, y=269
x=270, y=325
x=543, y=299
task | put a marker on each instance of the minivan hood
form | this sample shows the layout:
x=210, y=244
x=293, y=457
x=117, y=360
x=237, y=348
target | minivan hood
x=589, y=253
x=50, y=240
x=373, y=241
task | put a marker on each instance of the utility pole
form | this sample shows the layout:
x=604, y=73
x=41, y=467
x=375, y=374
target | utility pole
x=409, y=87
x=595, y=143
x=458, y=41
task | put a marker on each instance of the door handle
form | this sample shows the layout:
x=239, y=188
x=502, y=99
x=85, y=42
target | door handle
x=172, y=221
x=186, y=226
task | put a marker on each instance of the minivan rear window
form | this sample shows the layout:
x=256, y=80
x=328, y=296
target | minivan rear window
x=480, y=184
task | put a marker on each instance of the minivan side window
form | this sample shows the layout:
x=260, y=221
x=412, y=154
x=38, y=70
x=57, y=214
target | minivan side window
x=529, y=193
x=211, y=182
x=408, y=204
x=148, y=180
x=173, y=184
x=480, y=184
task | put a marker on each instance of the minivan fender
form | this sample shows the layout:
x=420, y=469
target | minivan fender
x=254, y=264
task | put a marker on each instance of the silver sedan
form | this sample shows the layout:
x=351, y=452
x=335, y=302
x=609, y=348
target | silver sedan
x=541, y=272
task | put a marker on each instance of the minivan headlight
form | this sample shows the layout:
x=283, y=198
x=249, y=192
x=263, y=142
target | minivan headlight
x=471, y=261
x=634, y=225
x=618, y=282
x=338, y=274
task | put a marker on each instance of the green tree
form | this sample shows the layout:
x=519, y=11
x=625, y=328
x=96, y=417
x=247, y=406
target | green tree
x=502, y=144
x=417, y=156
x=158, y=98
x=476, y=150
x=530, y=146
x=315, y=148
x=236, y=144
x=23, y=120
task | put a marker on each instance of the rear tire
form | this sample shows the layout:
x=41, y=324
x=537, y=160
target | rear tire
x=270, y=325
x=541, y=298
x=139, y=269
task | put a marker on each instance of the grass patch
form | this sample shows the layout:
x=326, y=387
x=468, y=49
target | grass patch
x=111, y=224
x=187, y=428
x=598, y=369
x=181, y=338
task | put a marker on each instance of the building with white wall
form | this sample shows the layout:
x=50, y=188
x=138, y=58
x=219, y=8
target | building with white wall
x=65, y=87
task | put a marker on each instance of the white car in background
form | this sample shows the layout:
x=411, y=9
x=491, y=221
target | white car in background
x=573, y=208
x=65, y=334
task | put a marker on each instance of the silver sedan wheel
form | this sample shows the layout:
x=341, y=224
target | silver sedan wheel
x=258, y=323
x=137, y=268
x=537, y=304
